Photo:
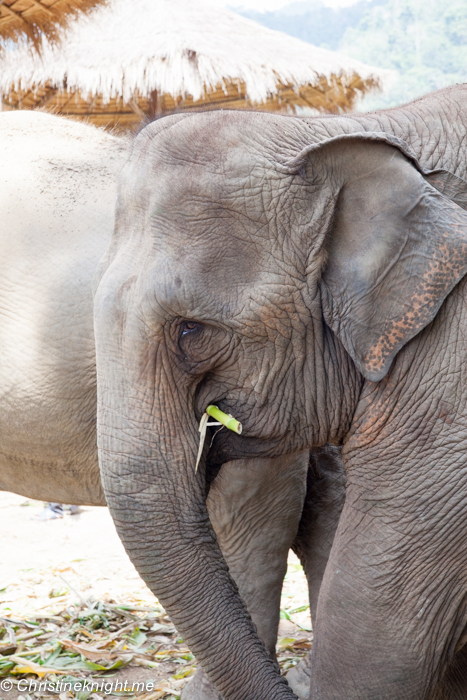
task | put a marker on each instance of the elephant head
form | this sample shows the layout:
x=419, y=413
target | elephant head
x=258, y=266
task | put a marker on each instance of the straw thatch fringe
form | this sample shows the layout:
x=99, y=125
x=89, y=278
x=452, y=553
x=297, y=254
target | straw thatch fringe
x=335, y=95
x=134, y=58
x=31, y=19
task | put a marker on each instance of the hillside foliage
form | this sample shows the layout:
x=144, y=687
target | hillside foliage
x=424, y=40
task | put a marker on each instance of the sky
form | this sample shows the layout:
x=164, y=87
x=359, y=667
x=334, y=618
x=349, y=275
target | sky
x=263, y=5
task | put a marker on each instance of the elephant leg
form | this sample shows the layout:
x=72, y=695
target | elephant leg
x=255, y=507
x=323, y=505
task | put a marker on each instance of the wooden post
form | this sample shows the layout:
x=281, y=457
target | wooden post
x=155, y=107
x=49, y=96
x=134, y=106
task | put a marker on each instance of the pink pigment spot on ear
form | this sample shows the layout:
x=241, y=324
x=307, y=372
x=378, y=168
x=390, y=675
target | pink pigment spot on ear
x=426, y=294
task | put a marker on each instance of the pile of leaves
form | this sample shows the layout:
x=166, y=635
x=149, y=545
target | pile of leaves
x=96, y=639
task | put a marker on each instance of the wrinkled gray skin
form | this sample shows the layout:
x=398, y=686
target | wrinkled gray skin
x=323, y=505
x=57, y=201
x=253, y=532
x=306, y=275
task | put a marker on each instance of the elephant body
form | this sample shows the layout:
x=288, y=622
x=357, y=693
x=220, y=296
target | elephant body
x=57, y=197
x=58, y=186
x=306, y=275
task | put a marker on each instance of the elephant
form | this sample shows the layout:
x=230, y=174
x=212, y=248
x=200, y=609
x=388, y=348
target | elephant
x=307, y=276
x=58, y=189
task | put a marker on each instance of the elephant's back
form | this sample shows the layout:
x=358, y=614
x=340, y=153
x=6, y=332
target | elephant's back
x=57, y=192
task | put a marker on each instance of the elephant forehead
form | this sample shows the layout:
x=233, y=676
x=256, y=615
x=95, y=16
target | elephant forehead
x=215, y=234
x=213, y=159
x=205, y=214
x=242, y=188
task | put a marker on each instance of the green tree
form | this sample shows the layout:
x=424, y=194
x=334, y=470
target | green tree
x=424, y=40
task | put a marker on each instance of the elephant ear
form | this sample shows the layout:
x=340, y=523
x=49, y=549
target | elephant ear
x=396, y=249
x=453, y=187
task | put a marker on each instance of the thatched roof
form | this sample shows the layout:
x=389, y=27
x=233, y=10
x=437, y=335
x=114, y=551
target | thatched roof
x=134, y=57
x=31, y=19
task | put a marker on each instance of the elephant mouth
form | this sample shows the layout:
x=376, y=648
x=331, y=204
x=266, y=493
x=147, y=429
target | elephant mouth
x=225, y=446
x=220, y=420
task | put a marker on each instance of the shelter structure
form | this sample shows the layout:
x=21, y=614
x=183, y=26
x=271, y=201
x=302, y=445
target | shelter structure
x=34, y=19
x=135, y=58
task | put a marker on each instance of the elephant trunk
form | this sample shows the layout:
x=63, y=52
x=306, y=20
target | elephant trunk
x=158, y=505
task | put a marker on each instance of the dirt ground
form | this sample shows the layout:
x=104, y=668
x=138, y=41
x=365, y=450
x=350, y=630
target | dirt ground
x=58, y=572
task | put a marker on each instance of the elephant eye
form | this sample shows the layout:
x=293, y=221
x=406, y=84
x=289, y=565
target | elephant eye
x=190, y=327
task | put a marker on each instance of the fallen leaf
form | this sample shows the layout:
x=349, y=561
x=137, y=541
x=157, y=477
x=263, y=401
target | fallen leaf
x=31, y=667
x=90, y=652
